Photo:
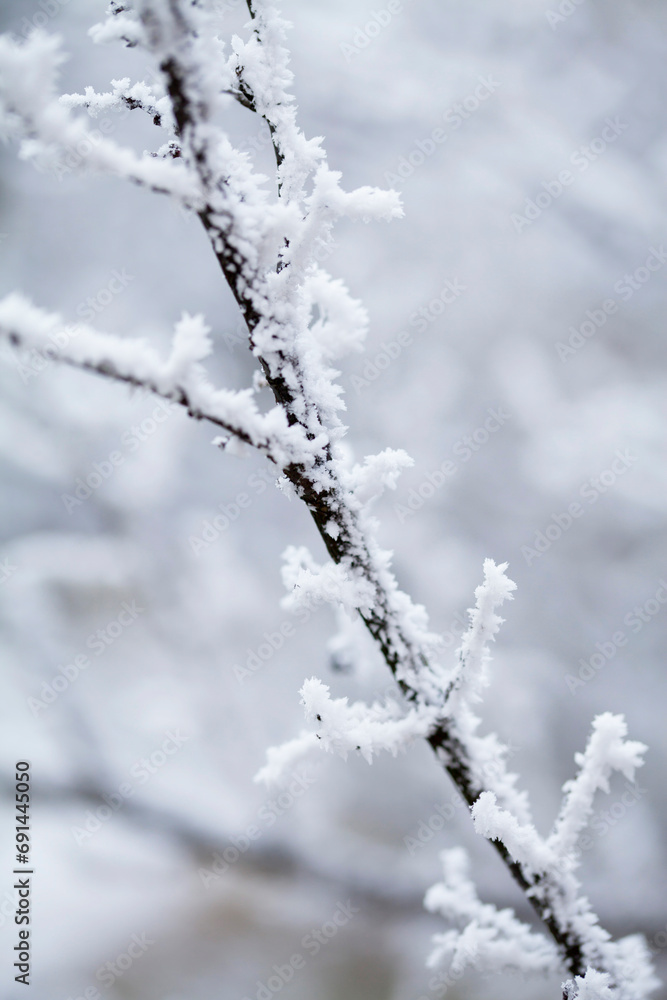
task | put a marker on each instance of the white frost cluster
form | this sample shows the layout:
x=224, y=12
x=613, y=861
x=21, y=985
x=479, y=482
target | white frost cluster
x=591, y=986
x=341, y=323
x=342, y=728
x=124, y=94
x=300, y=321
x=553, y=861
x=473, y=652
x=379, y=472
x=497, y=940
x=181, y=377
x=491, y=940
x=29, y=106
x=607, y=751
x=487, y=753
x=310, y=584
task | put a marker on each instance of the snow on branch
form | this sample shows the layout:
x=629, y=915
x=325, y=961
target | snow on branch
x=309, y=583
x=299, y=320
x=608, y=750
x=29, y=108
x=342, y=321
x=124, y=94
x=341, y=728
x=491, y=940
x=281, y=759
x=593, y=985
x=379, y=472
x=544, y=868
x=328, y=202
x=521, y=839
x=121, y=26
x=261, y=65
x=180, y=378
x=630, y=966
x=486, y=754
x=473, y=653
x=548, y=867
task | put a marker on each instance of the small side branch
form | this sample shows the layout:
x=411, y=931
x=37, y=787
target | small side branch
x=179, y=379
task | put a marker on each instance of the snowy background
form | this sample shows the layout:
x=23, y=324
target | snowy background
x=568, y=415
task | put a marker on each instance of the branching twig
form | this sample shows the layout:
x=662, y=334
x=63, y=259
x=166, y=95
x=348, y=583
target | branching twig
x=265, y=252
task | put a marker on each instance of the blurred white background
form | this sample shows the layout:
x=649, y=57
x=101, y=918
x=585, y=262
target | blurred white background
x=171, y=670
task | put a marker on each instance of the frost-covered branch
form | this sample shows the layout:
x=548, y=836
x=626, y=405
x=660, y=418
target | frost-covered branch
x=343, y=728
x=30, y=109
x=607, y=751
x=490, y=939
x=543, y=868
x=265, y=246
x=179, y=378
x=548, y=866
x=474, y=656
x=137, y=96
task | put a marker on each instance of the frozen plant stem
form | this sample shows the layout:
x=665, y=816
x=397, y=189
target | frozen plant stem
x=266, y=251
